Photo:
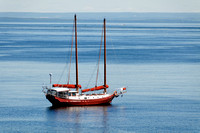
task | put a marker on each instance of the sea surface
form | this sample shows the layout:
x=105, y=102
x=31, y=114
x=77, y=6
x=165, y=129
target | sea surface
x=155, y=55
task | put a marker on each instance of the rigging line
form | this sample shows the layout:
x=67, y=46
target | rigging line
x=91, y=76
x=115, y=53
x=116, y=56
x=70, y=56
x=100, y=79
x=95, y=68
x=62, y=73
x=65, y=67
x=99, y=57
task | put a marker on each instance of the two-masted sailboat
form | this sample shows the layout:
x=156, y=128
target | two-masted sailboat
x=69, y=94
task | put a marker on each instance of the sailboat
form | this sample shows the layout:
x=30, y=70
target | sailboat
x=70, y=94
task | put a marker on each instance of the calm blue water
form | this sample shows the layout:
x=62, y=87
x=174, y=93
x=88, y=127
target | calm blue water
x=156, y=55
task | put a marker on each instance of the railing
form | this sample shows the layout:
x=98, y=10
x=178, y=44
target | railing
x=44, y=89
x=121, y=91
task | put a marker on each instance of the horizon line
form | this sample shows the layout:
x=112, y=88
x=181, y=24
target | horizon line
x=96, y=12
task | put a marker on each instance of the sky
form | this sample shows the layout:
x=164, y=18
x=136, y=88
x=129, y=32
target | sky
x=99, y=5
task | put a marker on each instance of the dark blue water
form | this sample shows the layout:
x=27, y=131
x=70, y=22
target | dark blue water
x=156, y=55
x=143, y=37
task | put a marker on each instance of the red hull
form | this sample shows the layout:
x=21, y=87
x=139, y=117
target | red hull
x=56, y=101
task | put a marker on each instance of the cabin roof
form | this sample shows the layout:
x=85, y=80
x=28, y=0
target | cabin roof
x=72, y=91
x=59, y=89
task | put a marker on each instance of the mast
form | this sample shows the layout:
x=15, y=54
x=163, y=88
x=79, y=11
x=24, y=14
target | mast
x=76, y=55
x=104, y=55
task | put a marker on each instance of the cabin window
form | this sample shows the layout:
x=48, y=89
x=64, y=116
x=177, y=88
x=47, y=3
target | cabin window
x=60, y=94
x=51, y=92
x=48, y=92
x=66, y=93
x=72, y=94
x=63, y=94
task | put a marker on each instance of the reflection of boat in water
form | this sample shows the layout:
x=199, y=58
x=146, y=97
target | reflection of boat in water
x=64, y=95
x=80, y=117
x=70, y=109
